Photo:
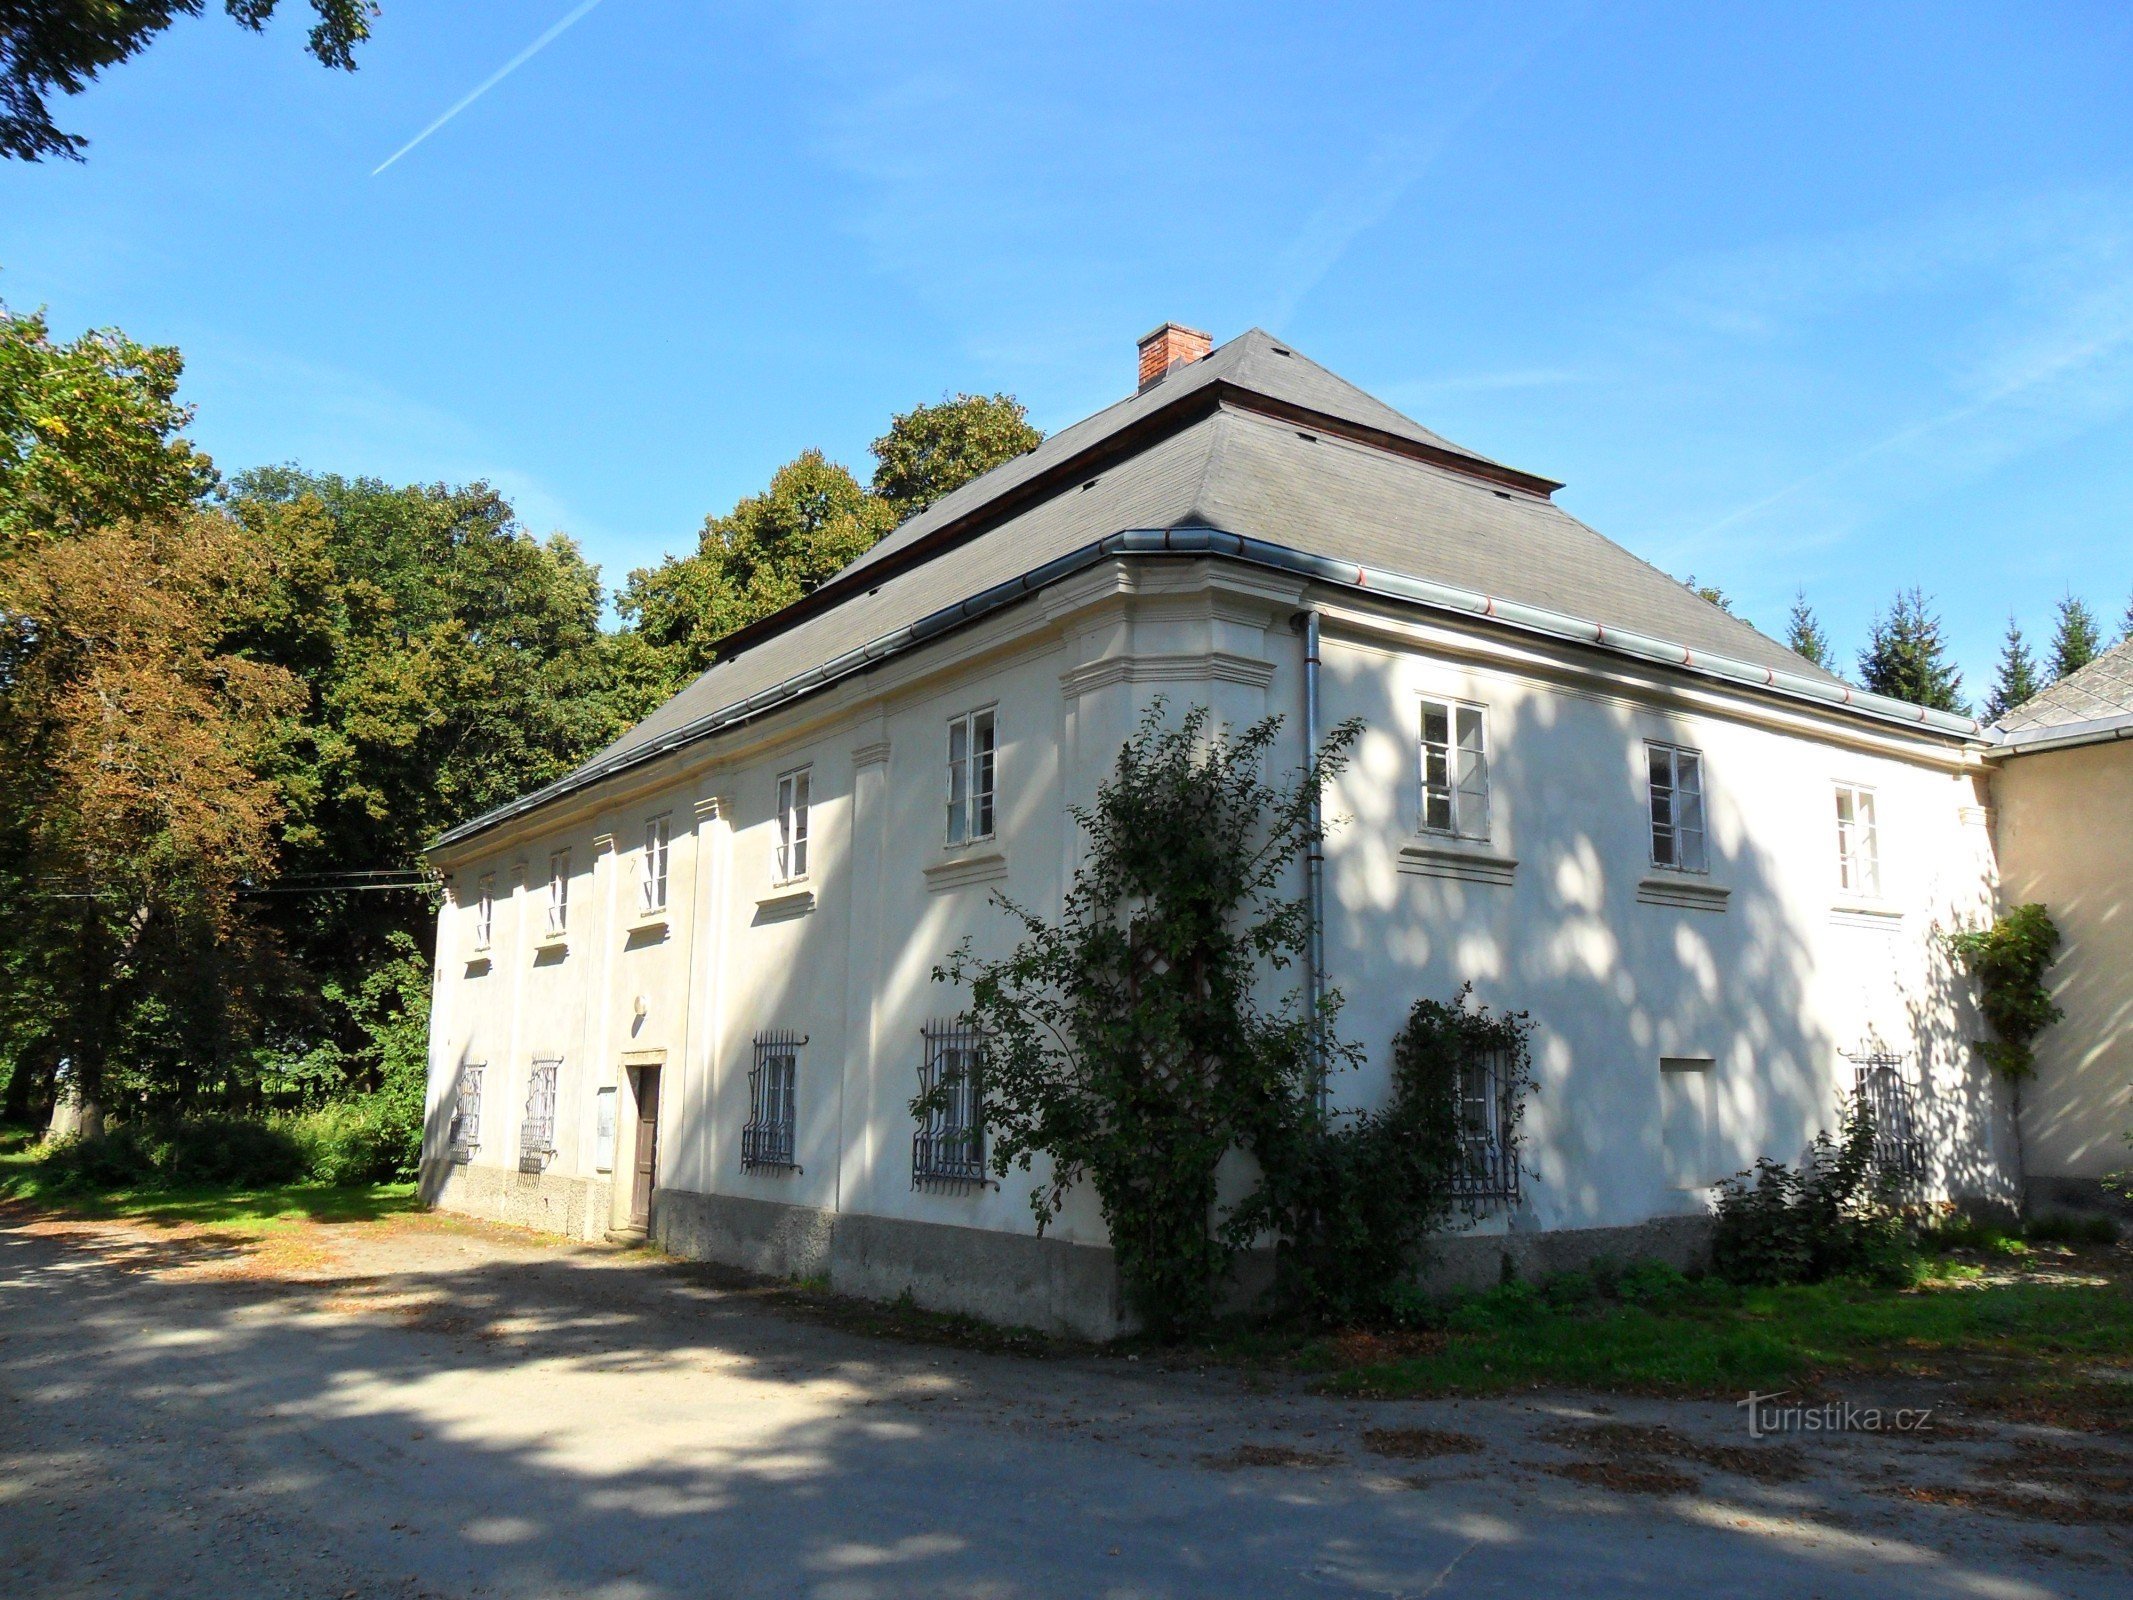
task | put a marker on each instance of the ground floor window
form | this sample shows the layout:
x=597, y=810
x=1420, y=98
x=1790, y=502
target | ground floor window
x=1483, y=1088
x=1879, y=1082
x=773, y=1082
x=948, y=1150
x=465, y=1136
x=537, y=1137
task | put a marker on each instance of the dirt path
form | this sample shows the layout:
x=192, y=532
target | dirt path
x=427, y=1407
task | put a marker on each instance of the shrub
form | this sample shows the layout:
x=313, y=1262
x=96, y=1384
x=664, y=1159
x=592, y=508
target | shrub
x=2009, y=959
x=2064, y=1227
x=192, y=1152
x=1352, y=1203
x=356, y=1141
x=1831, y=1218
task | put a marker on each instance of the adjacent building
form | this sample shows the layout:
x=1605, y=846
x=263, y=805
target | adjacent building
x=2063, y=785
x=689, y=988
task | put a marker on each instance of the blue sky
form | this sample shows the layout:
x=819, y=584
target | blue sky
x=1834, y=297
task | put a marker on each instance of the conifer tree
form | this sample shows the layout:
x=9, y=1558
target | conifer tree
x=1803, y=632
x=1906, y=657
x=2017, y=678
x=2078, y=640
x=2125, y=625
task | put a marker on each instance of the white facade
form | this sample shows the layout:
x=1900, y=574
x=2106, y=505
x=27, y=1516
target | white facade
x=1754, y=981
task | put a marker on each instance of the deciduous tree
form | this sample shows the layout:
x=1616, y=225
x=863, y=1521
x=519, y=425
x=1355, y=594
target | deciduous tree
x=932, y=450
x=62, y=45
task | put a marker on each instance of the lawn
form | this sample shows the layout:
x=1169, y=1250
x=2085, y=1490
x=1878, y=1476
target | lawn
x=23, y=1178
x=2050, y=1333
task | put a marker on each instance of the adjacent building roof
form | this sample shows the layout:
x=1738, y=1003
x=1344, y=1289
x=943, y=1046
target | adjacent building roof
x=1279, y=457
x=2093, y=704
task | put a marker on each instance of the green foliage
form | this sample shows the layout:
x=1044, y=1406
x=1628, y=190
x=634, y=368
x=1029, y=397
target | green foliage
x=1351, y=1200
x=2009, y=960
x=2076, y=640
x=1906, y=657
x=62, y=45
x=1803, y=632
x=768, y=551
x=1709, y=592
x=1709, y=1337
x=90, y=432
x=931, y=450
x=2066, y=1227
x=1127, y=1042
x=1831, y=1217
x=2016, y=681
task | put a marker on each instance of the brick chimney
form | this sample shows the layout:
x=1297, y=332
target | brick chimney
x=1171, y=346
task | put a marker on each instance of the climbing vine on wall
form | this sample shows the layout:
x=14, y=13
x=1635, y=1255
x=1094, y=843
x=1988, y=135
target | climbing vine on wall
x=2009, y=959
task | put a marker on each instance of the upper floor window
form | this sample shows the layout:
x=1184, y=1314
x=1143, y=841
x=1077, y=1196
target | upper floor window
x=652, y=887
x=1858, y=841
x=970, y=759
x=1455, y=769
x=558, y=891
x=792, y=826
x=1677, y=807
x=484, y=910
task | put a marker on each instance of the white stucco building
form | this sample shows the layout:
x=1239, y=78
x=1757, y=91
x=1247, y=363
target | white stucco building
x=689, y=987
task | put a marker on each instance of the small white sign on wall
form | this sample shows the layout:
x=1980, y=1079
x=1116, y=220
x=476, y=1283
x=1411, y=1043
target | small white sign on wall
x=604, y=1131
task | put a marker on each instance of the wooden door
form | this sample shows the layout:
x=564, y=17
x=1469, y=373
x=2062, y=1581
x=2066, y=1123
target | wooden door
x=647, y=1163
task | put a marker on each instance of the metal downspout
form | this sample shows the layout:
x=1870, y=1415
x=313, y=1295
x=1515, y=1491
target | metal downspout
x=1314, y=867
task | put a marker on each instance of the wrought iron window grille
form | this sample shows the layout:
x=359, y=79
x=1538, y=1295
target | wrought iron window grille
x=1482, y=1090
x=1879, y=1084
x=767, y=1139
x=948, y=1148
x=464, y=1135
x=536, y=1141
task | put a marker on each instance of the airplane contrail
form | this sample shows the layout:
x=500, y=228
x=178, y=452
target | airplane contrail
x=490, y=82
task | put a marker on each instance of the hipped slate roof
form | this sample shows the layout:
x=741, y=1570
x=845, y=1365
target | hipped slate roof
x=1259, y=444
x=2095, y=702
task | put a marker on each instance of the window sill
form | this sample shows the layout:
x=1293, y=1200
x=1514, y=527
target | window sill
x=1857, y=912
x=964, y=871
x=558, y=940
x=647, y=920
x=1463, y=860
x=784, y=907
x=1683, y=891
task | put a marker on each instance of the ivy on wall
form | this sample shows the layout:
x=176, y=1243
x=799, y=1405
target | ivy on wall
x=2009, y=959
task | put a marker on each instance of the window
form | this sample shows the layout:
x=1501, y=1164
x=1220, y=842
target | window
x=1455, y=770
x=652, y=884
x=1878, y=1082
x=536, y=1142
x=1858, y=846
x=948, y=1151
x=1482, y=1091
x=558, y=891
x=767, y=1140
x=465, y=1135
x=484, y=910
x=792, y=826
x=1677, y=808
x=970, y=759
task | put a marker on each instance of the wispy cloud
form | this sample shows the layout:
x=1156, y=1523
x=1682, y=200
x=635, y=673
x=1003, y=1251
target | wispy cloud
x=490, y=82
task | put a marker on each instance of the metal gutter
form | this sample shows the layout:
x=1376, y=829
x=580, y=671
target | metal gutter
x=2060, y=736
x=1257, y=552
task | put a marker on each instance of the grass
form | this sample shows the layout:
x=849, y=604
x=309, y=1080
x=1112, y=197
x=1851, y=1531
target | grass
x=2011, y=1342
x=24, y=1179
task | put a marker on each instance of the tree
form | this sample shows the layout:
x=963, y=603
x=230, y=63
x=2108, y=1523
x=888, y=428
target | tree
x=1128, y=1041
x=2078, y=639
x=2125, y=625
x=2017, y=679
x=768, y=551
x=1709, y=592
x=1803, y=632
x=1906, y=657
x=931, y=450
x=64, y=44
x=132, y=812
x=91, y=432
x=452, y=663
